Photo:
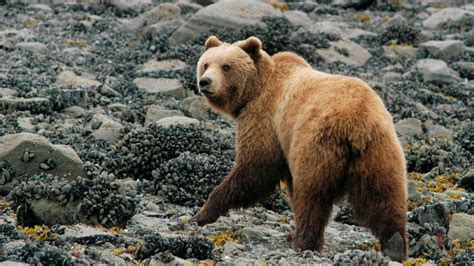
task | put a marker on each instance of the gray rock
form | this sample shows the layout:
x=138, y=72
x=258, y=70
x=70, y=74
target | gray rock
x=12, y=263
x=118, y=107
x=226, y=13
x=163, y=12
x=436, y=130
x=128, y=6
x=74, y=111
x=27, y=153
x=440, y=18
x=52, y=212
x=444, y=50
x=108, y=91
x=470, y=38
x=345, y=51
x=155, y=113
x=9, y=36
x=461, y=226
x=400, y=51
x=397, y=19
x=34, y=105
x=392, y=77
x=177, y=120
x=162, y=28
x=34, y=47
x=4, y=92
x=164, y=65
x=69, y=78
x=81, y=231
x=408, y=129
x=162, y=86
x=40, y=8
x=106, y=128
x=335, y=29
x=298, y=18
x=436, y=70
x=197, y=107
x=413, y=193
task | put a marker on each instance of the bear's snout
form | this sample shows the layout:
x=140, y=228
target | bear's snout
x=204, y=85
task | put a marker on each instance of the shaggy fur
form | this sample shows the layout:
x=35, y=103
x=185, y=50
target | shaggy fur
x=325, y=135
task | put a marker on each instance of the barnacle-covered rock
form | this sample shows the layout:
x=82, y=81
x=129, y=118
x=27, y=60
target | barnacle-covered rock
x=359, y=257
x=34, y=105
x=189, y=178
x=37, y=253
x=30, y=154
x=191, y=247
x=143, y=150
x=94, y=199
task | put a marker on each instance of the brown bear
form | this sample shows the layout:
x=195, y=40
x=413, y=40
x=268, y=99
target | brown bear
x=326, y=136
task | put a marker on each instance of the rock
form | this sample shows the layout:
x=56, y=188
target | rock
x=162, y=86
x=397, y=19
x=444, y=50
x=34, y=105
x=40, y=8
x=396, y=52
x=470, y=38
x=345, y=51
x=164, y=65
x=151, y=225
x=74, y=111
x=466, y=69
x=69, y=78
x=5, y=92
x=437, y=212
x=34, y=47
x=162, y=28
x=108, y=91
x=177, y=120
x=197, y=107
x=334, y=29
x=106, y=128
x=408, y=129
x=128, y=6
x=155, y=113
x=437, y=70
x=467, y=181
x=224, y=14
x=440, y=18
x=12, y=263
x=351, y=3
x=9, y=36
x=163, y=12
x=461, y=226
x=298, y=18
x=51, y=212
x=30, y=154
x=436, y=130
x=413, y=193
x=392, y=77
x=83, y=233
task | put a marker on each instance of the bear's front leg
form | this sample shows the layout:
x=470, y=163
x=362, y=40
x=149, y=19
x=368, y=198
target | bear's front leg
x=246, y=185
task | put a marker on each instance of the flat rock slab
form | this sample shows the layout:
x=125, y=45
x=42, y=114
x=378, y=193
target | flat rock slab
x=440, y=18
x=163, y=12
x=155, y=113
x=69, y=78
x=30, y=154
x=436, y=70
x=34, y=47
x=163, y=86
x=461, y=226
x=35, y=105
x=106, y=128
x=345, y=51
x=223, y=14
x=177, y=121
x=444, y=50
x=164, y=65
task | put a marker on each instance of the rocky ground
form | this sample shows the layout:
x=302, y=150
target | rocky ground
x=107, y=152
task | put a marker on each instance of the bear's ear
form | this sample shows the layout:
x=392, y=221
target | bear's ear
x=212, y=42
x=251, y=46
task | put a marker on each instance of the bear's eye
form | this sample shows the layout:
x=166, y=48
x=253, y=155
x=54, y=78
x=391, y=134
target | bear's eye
x=226, y=67
x=206, y=65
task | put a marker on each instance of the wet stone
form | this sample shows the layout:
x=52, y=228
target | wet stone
x=161, y=86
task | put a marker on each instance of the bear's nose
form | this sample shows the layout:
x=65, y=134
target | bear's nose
x=205, y=82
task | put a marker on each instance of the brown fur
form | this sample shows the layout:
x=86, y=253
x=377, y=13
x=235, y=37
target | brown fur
x=325, y=135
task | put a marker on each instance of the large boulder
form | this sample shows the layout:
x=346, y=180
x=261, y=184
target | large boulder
x=226, y=13
x=453, y=15
x=461, y=226
x=346, y=52
x=161, y=86
x=437, y=71
x=444, y=50
x=27, y=154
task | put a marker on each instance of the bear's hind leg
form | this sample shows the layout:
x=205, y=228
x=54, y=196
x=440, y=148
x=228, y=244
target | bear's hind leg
x=377, y=192
x=317, y=171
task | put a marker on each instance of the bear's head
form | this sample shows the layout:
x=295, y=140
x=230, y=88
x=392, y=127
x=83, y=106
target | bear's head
x=230, y=75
